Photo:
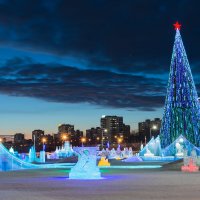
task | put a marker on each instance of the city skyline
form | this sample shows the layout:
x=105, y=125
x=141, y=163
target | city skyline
x=62, y=64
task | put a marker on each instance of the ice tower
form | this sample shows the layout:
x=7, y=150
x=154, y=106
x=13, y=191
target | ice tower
x=182, y=111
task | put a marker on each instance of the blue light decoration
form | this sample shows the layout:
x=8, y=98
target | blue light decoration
x=182, y=110
x=86, y=167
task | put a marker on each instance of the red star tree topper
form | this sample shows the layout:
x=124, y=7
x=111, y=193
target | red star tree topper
x=177, y=26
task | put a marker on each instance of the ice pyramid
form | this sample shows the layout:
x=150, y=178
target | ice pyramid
x=178, y=146
x=153, y=147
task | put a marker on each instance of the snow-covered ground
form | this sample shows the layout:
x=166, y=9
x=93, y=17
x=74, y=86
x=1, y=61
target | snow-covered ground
x=118, y=184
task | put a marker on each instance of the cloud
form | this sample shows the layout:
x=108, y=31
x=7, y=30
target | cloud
x=123, y=45
x=135, y=36
x=59, y=83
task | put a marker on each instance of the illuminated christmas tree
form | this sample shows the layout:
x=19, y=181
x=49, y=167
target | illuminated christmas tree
x=182, y=111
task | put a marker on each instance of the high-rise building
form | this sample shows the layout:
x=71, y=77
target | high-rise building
x=18, y=138
x=126, y=133
x=94, y=135
x=37, y=136
x=111, y=126
x=149, y=128
x=67, y=130
x=76, y=137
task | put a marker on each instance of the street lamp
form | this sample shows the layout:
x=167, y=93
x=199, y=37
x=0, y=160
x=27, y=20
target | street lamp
x=119, y=140
x=43, y=143
x=102, y=137
x=83, y=140
x=64, y=138
x=154, y=127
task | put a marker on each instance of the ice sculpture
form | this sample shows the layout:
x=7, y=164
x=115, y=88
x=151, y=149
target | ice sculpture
x=86, y=167
x=148, y=152
x=118, y=153
x=172, y=150
x=11, y=150
x=42, y=157
x=179, y=149
x=133, y=159
x=32, y=154
x=107, y=152
x=63, y=152
x=185, y=157
x=103, y=162
x=130, y=152
x=153, y=148
x=194, y=156
x=191, y=167
x=9, y=161
x=113, y=154
x=103, y=152
x=141, y=146
x=157, y=147
x=190, y=163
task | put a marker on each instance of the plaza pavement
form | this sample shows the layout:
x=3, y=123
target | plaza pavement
x=117, y=184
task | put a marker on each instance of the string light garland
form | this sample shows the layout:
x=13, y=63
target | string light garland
x=182, y=111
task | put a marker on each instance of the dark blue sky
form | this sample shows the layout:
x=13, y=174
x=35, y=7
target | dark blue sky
x=73, y=61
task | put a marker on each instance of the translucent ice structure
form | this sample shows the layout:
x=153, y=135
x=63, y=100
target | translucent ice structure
x=86, y=167
x=191, y=167
x=148, y=152
x=113, y=154
x=32, y=154
x=62, y=152
x=190, y=163
x=9, y=161
x=172, y=149
x=153, y=147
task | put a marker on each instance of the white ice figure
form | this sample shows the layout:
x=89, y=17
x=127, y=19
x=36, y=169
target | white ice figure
x=107, y=152
x=125, y=153
x=130, y=152
x=11, y=150
x=103, y=152
x=198, y=161
x=86, y=167
x=141, y=146
x=179, y=149
x=185, y=157
x=194, y=157
x=113, y=154
x=118, y=152
x=148, y=152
